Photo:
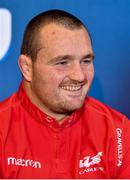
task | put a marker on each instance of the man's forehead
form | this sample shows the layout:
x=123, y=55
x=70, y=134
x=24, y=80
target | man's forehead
x=53, y=34
x=64, y=41
x=53, y=28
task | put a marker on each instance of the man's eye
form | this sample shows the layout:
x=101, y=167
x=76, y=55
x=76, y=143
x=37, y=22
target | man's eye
x=61, y=63
x=86, y=61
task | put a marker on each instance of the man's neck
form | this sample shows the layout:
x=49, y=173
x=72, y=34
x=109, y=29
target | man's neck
x=60, y=117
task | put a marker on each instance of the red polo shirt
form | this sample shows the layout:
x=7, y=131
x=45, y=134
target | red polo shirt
x=92, y=143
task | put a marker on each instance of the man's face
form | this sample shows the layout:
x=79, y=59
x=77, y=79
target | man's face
x=63, y=71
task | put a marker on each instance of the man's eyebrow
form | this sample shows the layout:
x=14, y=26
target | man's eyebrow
x=91, y=56
x=61, y=57
x=71, y=57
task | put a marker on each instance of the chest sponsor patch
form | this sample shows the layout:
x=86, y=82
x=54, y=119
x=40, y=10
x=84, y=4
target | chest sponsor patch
x=22, y=162
x=89, y=164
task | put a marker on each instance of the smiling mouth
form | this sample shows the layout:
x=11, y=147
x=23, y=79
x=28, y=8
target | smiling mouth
x=72, y=88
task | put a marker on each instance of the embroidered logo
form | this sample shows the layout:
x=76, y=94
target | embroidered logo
x=88, y=163
x=119, y=146
x=23, y=162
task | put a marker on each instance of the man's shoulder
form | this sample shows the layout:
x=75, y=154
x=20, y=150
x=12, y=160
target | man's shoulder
x=100, y=109
x=8, y=103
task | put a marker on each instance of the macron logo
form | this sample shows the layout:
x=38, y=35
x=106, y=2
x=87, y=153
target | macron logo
x=23, y=162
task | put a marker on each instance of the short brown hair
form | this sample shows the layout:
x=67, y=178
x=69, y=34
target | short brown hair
x=30, y=44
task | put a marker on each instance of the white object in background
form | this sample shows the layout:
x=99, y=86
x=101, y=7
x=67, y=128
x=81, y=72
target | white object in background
x=5, y=31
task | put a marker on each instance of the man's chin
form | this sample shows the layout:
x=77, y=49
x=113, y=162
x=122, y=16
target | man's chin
x=73, y=107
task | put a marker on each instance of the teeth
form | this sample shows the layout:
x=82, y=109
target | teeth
x=71, y=88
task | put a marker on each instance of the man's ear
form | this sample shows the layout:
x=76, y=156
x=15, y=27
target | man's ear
x=25, y=65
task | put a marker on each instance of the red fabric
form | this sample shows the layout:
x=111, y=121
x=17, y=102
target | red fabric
x=92, y=143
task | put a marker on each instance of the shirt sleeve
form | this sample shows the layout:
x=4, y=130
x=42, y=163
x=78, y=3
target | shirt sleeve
x=0, y=157
x=124, y=169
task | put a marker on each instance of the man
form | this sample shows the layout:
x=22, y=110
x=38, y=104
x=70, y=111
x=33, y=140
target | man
x=49, y=129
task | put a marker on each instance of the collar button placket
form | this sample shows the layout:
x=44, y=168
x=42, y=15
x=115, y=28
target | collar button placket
x=49, y=119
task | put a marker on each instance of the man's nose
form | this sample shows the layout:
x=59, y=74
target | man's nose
x=77, y=73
